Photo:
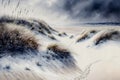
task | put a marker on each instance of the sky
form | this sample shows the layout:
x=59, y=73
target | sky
x=63, y=12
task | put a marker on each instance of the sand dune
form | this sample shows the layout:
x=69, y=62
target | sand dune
x=27, y=52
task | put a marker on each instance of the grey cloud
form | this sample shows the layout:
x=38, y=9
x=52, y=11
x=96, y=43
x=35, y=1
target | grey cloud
x=87, y=9
x=71, y=10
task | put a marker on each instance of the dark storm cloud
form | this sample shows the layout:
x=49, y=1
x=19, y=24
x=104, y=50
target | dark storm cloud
x=87, y=9
x=60, y=12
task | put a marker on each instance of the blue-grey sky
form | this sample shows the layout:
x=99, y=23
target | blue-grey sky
x=63, y=12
